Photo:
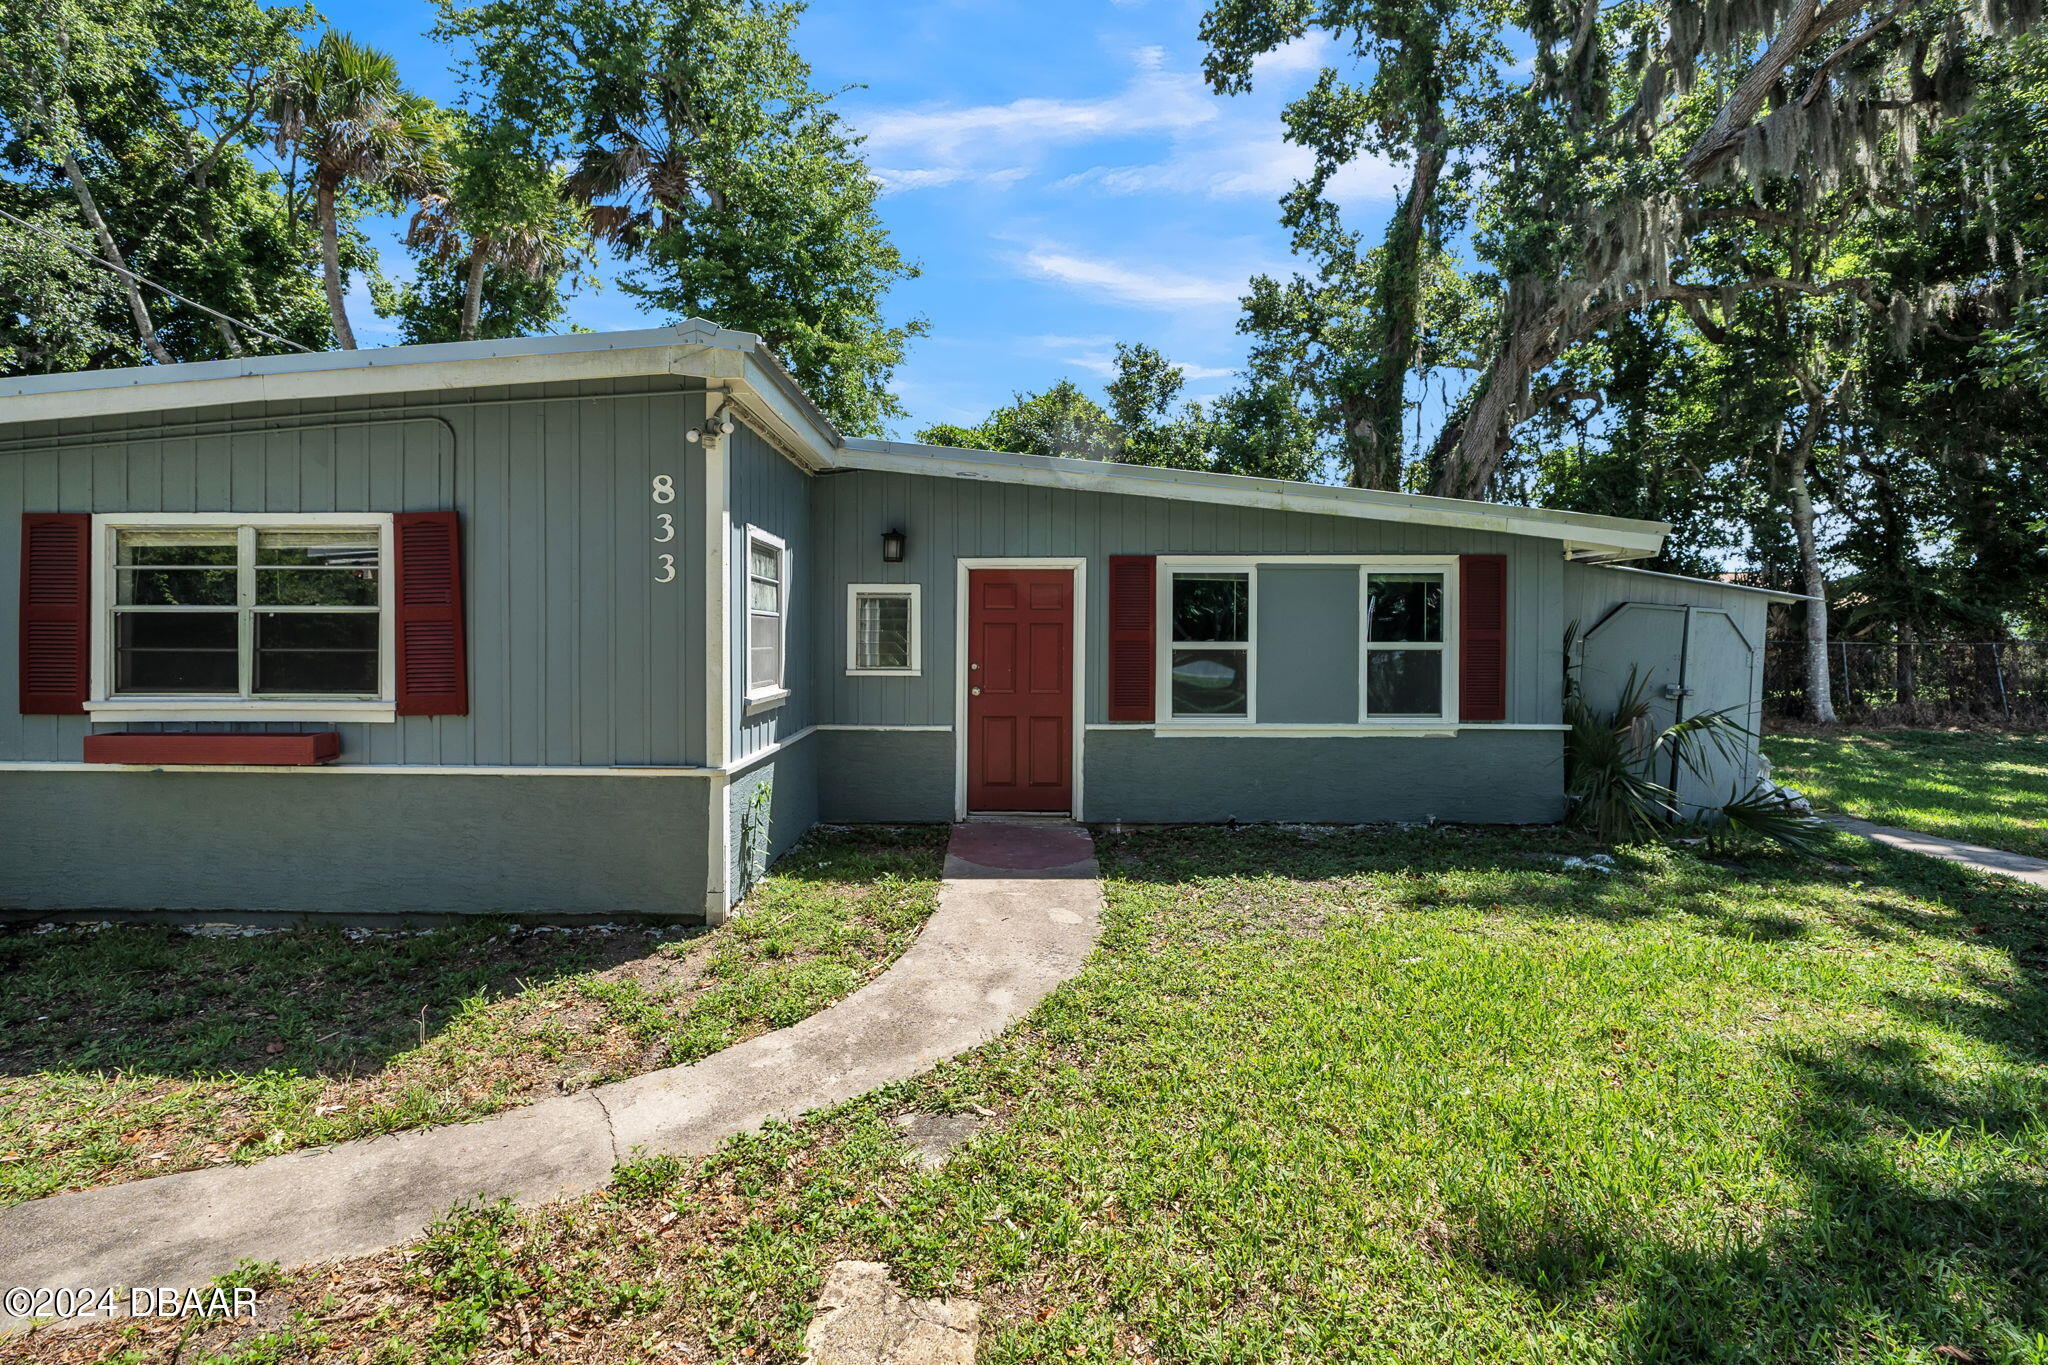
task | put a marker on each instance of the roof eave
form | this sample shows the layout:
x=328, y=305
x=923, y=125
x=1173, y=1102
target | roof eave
x=1581, y=533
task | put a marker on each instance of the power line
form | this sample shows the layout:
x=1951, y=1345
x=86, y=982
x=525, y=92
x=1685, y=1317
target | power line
x=99, y=260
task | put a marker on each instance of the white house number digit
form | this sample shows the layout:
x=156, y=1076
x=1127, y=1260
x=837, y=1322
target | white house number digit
x=664, y=491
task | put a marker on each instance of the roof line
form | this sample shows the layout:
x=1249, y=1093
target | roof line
x=1775, y=594
x=724, y=358
x=1624, y=537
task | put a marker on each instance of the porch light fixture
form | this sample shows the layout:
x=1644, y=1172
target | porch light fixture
x=892, y=547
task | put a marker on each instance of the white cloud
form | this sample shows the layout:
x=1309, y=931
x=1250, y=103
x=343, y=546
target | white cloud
x=1261, y=165
x=1147, y=286
x=1310, y=52
x=939, y=145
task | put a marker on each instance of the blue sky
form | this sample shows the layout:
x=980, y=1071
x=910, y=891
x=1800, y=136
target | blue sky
x=1057, y=167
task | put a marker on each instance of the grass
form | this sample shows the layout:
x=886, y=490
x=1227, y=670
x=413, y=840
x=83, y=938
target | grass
x=1989, y=789
x=1356, y=1096
x=136, y=1050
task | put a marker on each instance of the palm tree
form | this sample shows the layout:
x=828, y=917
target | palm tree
x=502, y=210
x=342, y=110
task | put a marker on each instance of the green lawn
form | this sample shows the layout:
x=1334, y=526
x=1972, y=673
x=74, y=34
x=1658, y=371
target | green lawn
x=1988, y=789
x=1362, y=1096
x=139, y=1050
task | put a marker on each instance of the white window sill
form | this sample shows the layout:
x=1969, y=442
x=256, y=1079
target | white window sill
x=757, y=702
x=175, y=709
x=1432, y=729
x=885, y=673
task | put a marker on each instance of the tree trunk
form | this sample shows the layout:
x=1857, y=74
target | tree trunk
x=1820, y=701
x=228, y=337
x=330, y=264
x=1905, y=680
x=473, y=291
x=110, y=252
x=1376, y=441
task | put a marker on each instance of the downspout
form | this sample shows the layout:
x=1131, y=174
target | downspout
x=718, y=592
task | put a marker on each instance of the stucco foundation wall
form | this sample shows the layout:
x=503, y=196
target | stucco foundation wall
x=355, y=843
x=885, y=776
x=1510, y=777
x=768, y=808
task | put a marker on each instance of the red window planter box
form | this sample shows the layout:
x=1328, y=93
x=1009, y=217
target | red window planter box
x=292, y=751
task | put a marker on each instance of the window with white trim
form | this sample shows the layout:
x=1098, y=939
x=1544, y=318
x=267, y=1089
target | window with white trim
x=1209, y=651
x=1405, y=677
x=767, y=613
x=883, y=629
x=254, y=609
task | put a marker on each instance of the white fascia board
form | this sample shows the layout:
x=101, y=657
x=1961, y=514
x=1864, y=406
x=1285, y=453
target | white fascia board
x=1774, y=594
x=1608, y=536
x=343, y=374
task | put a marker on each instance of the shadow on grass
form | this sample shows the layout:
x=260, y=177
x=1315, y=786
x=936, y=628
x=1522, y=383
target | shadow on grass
x=1921, y=1223
x=158, y=1000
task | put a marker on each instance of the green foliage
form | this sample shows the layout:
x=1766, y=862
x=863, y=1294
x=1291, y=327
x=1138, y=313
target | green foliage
x=1365, y=326
x=1611, y=759
x=713, y=165
x=493, y=248
x=1260, y=428
x=156, y=107
x=342, y=110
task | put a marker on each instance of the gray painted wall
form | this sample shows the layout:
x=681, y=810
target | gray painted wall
x=885, y=776
x=577, y=657
x=770, y=492
x=945, y=517
x=764, y=827
x=1503, y=777
x=353, y=842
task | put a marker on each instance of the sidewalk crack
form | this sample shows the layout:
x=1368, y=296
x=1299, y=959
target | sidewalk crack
x=611, y=1129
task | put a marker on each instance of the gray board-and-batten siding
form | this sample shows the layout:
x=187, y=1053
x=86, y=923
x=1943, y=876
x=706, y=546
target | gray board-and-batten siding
x=948, y=518
x=577, y=657
x=578, y=661
x=1308, y=629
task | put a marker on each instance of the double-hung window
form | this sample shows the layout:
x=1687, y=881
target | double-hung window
x=1209, y=664
x=882, y=629
x=767, y=612
x=253, y=611
x=1406, y=677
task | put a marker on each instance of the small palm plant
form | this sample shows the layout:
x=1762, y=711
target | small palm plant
x=1611, y=760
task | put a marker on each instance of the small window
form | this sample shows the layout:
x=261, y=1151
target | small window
x=882, y=629
x=767, y=587
x=247, y=611
x=1210, y=664
x=1404, y=646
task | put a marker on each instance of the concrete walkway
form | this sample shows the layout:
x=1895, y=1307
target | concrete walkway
x=1992, y=860
x=1017, y=915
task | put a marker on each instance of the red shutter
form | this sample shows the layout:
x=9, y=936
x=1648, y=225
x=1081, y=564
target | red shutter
x=1133, y=588
x=56, y=612
x=433, y=670
x=1482, y=637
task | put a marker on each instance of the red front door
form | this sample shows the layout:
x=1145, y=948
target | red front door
x=1020, y=689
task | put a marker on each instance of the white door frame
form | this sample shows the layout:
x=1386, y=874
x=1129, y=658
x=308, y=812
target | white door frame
x=1077, y=723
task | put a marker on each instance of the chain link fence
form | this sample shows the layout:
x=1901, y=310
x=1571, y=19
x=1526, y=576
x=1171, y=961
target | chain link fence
x=1942, y=682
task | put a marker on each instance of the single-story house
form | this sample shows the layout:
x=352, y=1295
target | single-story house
x=602, y=623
